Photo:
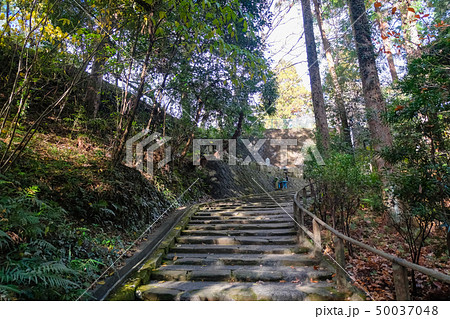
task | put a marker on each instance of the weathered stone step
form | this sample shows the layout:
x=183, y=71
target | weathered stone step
x=238, y=240
x=259, y=202
x=265, y=202
x=242, y=232
x=220, y=213
x=237, y=259
x=256, y=220
x=264, y=197
x=248, y=207
x=211, y=290
x=244, y=249
x=239, y=273
x=248, y=217
x=234, y=226
x=234, y=249
x=245, y=212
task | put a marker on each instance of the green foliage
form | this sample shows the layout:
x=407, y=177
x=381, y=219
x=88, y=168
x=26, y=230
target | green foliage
x=29, y=261
x=421, y=119
x=44, y=256
x=29, y=272
x=28, y=217
x=341, y=184
x=293, y=99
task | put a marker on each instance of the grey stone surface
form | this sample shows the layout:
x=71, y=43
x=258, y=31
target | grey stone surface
x=246, y=249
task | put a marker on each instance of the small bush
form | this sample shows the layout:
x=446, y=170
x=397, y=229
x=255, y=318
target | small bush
x=343, y=183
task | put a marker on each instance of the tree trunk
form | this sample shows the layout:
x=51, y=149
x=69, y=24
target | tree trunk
x=196, y=120
x=409, y=27
x=157, y=102
x=93, y=91
x=314, y=77
x=337, y=87
x=93, y=94
x=238, y=130
x=7, y=18
x=374, y=101
x=123, y=134
x=387, y=47
x=448, y=241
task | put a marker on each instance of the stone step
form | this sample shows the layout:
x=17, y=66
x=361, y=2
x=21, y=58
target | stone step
x=263, y=197
x=239, y=273
x=248, y=207
x=210, y=290
x=238, y=240
x=259, y=211
x=242, y=213
x=238, y=249
x=235, y=226
x=241, y=259
x=256, y=220
x=269, y=201
x=241, y=217
x=258, y=203
x=242, y=232
x=242, y=249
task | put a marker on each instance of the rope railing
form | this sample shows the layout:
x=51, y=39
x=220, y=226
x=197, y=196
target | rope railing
x=399, y=265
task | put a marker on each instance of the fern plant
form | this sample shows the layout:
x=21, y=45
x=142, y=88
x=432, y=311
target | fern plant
x=33, y=274
x=30, y=265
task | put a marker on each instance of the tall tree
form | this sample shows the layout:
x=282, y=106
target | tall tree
x=220, y=34
x=294, y=98
x=409, y=26
x=374, y=101
x=337, y=87
x=94, y=87
x=387, y=46
x=314, y=77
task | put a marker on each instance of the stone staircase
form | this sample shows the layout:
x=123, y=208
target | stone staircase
x=245, y=249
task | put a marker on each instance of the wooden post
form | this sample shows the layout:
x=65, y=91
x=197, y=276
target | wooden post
x=401, y=282
x=301, y=221
x=305, y=195
x=296, y=213
x=317, y=239
x=302, y=218
x=340, y=259
x=313, y=192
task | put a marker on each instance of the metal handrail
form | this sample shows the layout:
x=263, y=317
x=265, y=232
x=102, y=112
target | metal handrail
x=399, y=264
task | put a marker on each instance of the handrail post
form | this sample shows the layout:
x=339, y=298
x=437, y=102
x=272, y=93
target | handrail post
x=301, y=221
x=317, y=238
x=296, y=213
x=313, y=192
x=305, y=195
x=340, y=259
x=401, y=283
x=302, y=218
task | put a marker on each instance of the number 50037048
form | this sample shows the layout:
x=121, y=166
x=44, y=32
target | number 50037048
x=406, y=310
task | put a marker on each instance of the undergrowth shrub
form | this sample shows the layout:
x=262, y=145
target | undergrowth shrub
x=29, y=262
x=343, y=184
x=41, y=255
